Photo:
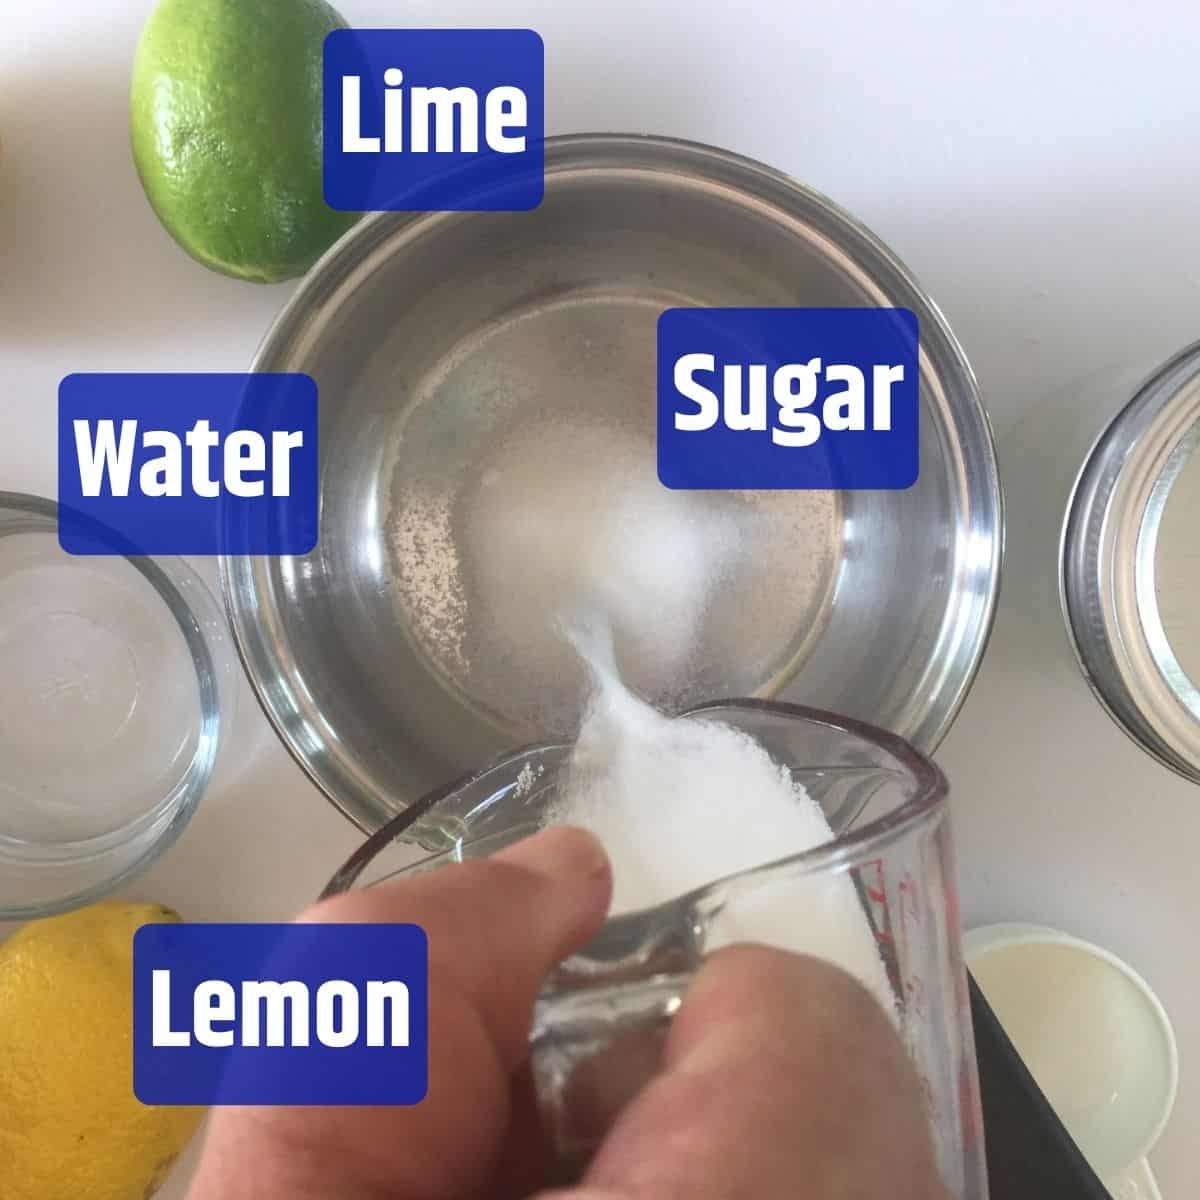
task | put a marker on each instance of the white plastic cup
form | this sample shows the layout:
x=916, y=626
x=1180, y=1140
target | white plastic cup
x=1094, y=1037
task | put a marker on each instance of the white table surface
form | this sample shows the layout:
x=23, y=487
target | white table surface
x=1034, y=163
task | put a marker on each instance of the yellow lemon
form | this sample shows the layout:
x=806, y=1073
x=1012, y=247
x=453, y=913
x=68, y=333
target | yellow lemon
x=70, y=1125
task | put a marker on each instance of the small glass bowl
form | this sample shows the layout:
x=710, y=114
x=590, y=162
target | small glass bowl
x=117, y=682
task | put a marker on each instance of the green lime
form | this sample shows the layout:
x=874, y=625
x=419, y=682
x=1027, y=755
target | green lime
x=225, y=120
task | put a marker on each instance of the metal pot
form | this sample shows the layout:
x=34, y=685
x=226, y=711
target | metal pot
x=437, y=340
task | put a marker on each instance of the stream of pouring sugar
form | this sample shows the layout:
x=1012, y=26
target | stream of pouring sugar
x=681, y=802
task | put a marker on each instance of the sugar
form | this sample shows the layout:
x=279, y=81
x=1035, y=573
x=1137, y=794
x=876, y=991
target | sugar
x=708, y=593
x=682, y=802
x=571, y=519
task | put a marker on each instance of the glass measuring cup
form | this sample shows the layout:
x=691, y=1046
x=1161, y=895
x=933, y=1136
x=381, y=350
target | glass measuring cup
x=603, y=1012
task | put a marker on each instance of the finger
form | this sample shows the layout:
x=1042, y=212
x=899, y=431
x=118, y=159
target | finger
x=526, y=1163
x=778, y=1069
x=495, y=928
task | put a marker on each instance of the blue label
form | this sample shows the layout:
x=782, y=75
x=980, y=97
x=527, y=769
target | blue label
x=187, y=464
x=434, y=119
x=822, y=398
x=280, y=1014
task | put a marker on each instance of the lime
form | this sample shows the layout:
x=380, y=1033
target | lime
x=225, y=120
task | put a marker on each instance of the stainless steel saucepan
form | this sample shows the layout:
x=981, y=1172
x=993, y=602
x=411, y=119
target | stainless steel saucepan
x=458, y=353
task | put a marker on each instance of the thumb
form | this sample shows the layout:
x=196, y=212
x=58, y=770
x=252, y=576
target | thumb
x=495, y=928
x=779, y=1073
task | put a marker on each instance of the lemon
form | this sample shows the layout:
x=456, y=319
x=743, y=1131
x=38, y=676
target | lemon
x=70, y=1125
x=225, y=122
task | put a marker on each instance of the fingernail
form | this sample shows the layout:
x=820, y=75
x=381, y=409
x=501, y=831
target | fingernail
x=563, y=852
x=578, y=883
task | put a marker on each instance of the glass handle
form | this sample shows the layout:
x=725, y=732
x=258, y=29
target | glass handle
x=592, y=1050
x=601, y=1018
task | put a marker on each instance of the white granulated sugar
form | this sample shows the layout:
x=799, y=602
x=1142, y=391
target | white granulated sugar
x=570, y=522
x=427, y=575
x=566, y=526
x=527, y=777
x=680, y=803
x=708, y=593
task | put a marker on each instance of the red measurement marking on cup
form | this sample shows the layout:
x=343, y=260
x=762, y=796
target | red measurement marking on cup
x=871, y=874
x=909, y=905
x=896, y=953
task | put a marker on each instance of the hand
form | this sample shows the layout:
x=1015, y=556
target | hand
x=781, y=1076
